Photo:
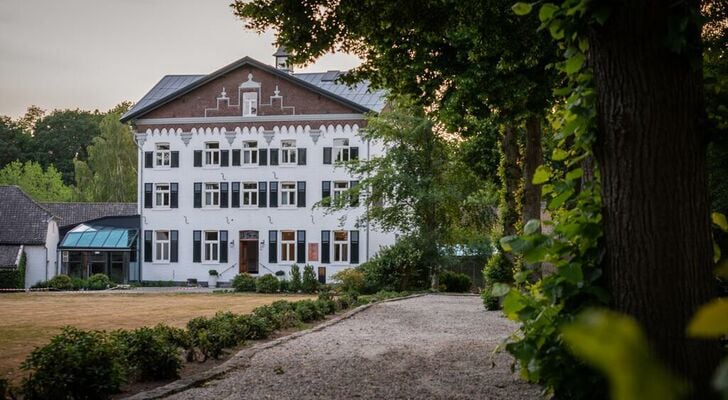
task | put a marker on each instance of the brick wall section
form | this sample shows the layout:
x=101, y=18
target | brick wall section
x=193, y=104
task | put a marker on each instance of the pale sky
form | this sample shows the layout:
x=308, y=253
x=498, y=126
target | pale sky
x=93, y=54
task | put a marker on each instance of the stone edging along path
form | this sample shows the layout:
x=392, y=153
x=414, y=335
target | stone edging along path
x=242, y=358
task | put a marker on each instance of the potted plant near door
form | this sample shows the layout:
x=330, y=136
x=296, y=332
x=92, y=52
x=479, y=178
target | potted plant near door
x=212, y=279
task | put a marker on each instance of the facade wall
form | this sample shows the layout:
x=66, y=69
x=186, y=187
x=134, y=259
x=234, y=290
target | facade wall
x=35, y=267
x=186, y=218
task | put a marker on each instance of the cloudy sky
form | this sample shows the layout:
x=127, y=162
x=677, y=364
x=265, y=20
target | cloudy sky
x=93, y=54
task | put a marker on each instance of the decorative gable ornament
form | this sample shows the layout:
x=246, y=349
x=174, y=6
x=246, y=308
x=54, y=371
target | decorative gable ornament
x=250, y=83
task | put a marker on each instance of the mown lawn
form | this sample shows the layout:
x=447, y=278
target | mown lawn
x=28, y=320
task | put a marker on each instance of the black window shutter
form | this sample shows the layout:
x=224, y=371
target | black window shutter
x=301, y=247
x=223, y=246
x=273, y=156
x=273, y=201
x=325, y=247
x=236, y=158
x=262, y=194
x=235, y=201
x=148, y=159
x=223, y=195
x=148, y=195
x=197, y=198
x=301, y=156
x=224, y=158
x=354, y=246
x=174, y=195
x=197, y=162
x=175, y=159
x=174, y=246
x=147, y=246
x=263, y=157
x=354, y=201
x=354, y=153
x=325, y=189
x=273, y=247
x=196, y=246
x=301, y=201
x=327, y=155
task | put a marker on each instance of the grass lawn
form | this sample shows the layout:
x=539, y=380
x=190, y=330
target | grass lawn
x=28, y=320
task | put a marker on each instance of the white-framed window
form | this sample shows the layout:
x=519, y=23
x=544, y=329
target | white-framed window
x=212, y=246
x=341, y=246
x=288, y=245
x=161, y=195
x=212, y=154
x=250, y=104
x=250, y=193
x=288, y=194
x=212, y=194
x=250, y=153
x=339, y=188
x=162, y=155
x=161, y=246
x=341, y=150
x=288, y=152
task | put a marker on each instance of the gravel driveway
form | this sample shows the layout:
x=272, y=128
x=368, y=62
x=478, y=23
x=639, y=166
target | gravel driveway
x=424, y=347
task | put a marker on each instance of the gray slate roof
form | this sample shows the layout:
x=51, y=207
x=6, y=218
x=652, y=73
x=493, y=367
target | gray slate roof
x=22, y=220
x=76, y=213
x=172, y=86
x=9, y=255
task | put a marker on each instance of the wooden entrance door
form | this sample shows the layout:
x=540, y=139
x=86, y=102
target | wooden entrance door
x=248, y=256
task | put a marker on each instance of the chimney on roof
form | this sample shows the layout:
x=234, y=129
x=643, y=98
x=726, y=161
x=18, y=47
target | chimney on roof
x=282, y=62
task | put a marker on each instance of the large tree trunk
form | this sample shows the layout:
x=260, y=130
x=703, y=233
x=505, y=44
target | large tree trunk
x=511, y=178
x=651, y=152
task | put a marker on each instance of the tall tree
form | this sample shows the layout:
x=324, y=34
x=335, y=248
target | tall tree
x=110, y=173
x=15, y=142
x=39, y=184
x=62, y=136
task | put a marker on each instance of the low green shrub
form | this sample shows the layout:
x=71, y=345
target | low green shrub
x=61, y=282
x=309, y=283
x=244, y=283
x=284, y=286
x=210, y=336
x=254, y=327
x=79, y=283
x=398, y=267
x=295, y=278
x=75, y=364
x=269, y=314
x=307, y=311
x=347, y=300
x=99, y=282
x=149, y=354
x=498, y=270
x=350, y=279
x=267, y=284
x=326, y=306
x=10, y=279
x=455, y=282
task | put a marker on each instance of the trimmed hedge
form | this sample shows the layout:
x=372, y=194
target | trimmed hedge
x=267, y=284
x=244, y=283
x=455, y=282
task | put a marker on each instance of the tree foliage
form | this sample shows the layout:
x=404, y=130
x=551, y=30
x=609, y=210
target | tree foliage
x=110, y=172
x=41, y=185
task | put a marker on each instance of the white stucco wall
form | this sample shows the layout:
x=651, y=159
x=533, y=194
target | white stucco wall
x=41, y=260
x=186, y=218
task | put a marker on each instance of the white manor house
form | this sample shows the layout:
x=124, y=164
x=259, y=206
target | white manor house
x=232, y=163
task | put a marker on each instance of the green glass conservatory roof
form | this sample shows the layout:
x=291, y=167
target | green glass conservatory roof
x=99, y=237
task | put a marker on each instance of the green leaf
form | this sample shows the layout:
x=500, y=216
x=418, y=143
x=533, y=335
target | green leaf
x=721, y=270
x=719, y=220
x=560, y=199
x=500, y=289
x=556, y=30
x=535, y=254
x=574, y=174
x=547, y=11
x=531, y=226
x=574, y=63
x=615, y=344
x=522, y=8
x=711, y=320
x=541, y=175
x=559, y=155
x=572, y=273
x=506, y=241
x=512, y=304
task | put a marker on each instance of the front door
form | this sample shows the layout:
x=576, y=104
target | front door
x=322, y=275
x=248, y=256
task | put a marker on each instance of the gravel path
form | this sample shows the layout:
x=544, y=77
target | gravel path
x=425, y=347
